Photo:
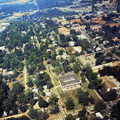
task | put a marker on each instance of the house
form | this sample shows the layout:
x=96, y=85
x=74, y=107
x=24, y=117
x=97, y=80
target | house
x=4, y=114
x=1, y=70
x=78, y=49
x=64, y=30
x=87, y=59
x=65, y=56
x=35, y=90
x=96, y=27
x=98, y=49
x=46, y=91
x=109, y=83
x=82, y=36
x=69, y=81
x=76, y=21
x=2, y=48
x=71, y=43
x=98, y=114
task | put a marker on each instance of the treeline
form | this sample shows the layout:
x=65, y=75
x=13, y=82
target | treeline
x=107, y=70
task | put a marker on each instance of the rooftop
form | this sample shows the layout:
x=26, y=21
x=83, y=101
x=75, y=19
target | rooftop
x=108, y=82
x=68, y=78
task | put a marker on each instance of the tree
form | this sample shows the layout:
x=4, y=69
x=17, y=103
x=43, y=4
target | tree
x=83, y=99
x=30, y=83
x=49, y=85
x=33, y=113
x=22, y=98
x=54, y=109
x=75, y=68
x=99, y=106
x=17, y=88
x=83, y=118
x=83, y=79
x=111, y=95
x=32, y=102
x=116, y=111
x=69, y=103
x=62, y=37
x=91, y=100
x=42, y=102
x=23, y=108
x=53, y=99
x=15, y=110
x=8, y=105
x=72, y=32
x=69, y=117
x=91, y=86
x=29, y=96
x=61, y=52
x=82, y=113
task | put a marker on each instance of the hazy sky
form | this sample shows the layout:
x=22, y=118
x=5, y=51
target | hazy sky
x=5, y=2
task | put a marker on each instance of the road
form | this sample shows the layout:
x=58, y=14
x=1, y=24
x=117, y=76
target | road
x=25, y=77
x=16, y=116
x=49, y=71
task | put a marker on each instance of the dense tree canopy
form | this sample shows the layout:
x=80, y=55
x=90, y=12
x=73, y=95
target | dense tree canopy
x=69, y=103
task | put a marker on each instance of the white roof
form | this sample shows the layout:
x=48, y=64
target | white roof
x=64, y=56
x=71, y=43
x=48, y=93
x=78, y=49
x=82, y=36
x=4, y=24
x=10, y=72
x=45, y=87
x=98, y=114
x=98, y=48
x=2, y=48
x=4, y=114
x=35, y=90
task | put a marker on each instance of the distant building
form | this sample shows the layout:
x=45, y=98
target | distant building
x=46, y=91
x=108, y=80
x=98, y=114
x=64, y=30
x=69, y=81
x=78, y=49
x=88, y=59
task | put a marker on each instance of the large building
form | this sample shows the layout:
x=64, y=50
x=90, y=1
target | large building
x=69, y=81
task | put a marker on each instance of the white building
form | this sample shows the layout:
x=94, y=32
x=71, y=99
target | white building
x=78, y=49
x=98, y=114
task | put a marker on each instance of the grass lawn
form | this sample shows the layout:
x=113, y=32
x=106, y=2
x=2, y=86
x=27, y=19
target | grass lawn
x=59, y=89
x=72, y=93
x=56, y=81
x=91, y=91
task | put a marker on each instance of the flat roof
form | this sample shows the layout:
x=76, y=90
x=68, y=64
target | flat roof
x=68, y=78
x=108, y=82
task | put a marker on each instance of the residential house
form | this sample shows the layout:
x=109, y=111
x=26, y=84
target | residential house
x=76, y=21
x=82, y=36
x=96, y=27
x=71, y=43
x=1, y=70
x=65, y=56
x=64, y=30
x=78, y=49
x=69, y=81
x=46, y=91
x=109, y=83
x=2, y=48
x=87, y=59
x=99, y=115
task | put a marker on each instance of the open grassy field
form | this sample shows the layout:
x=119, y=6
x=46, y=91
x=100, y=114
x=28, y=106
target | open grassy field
x=72, y=94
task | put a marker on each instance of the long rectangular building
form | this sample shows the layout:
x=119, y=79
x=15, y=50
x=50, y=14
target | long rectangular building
x=69, y=81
